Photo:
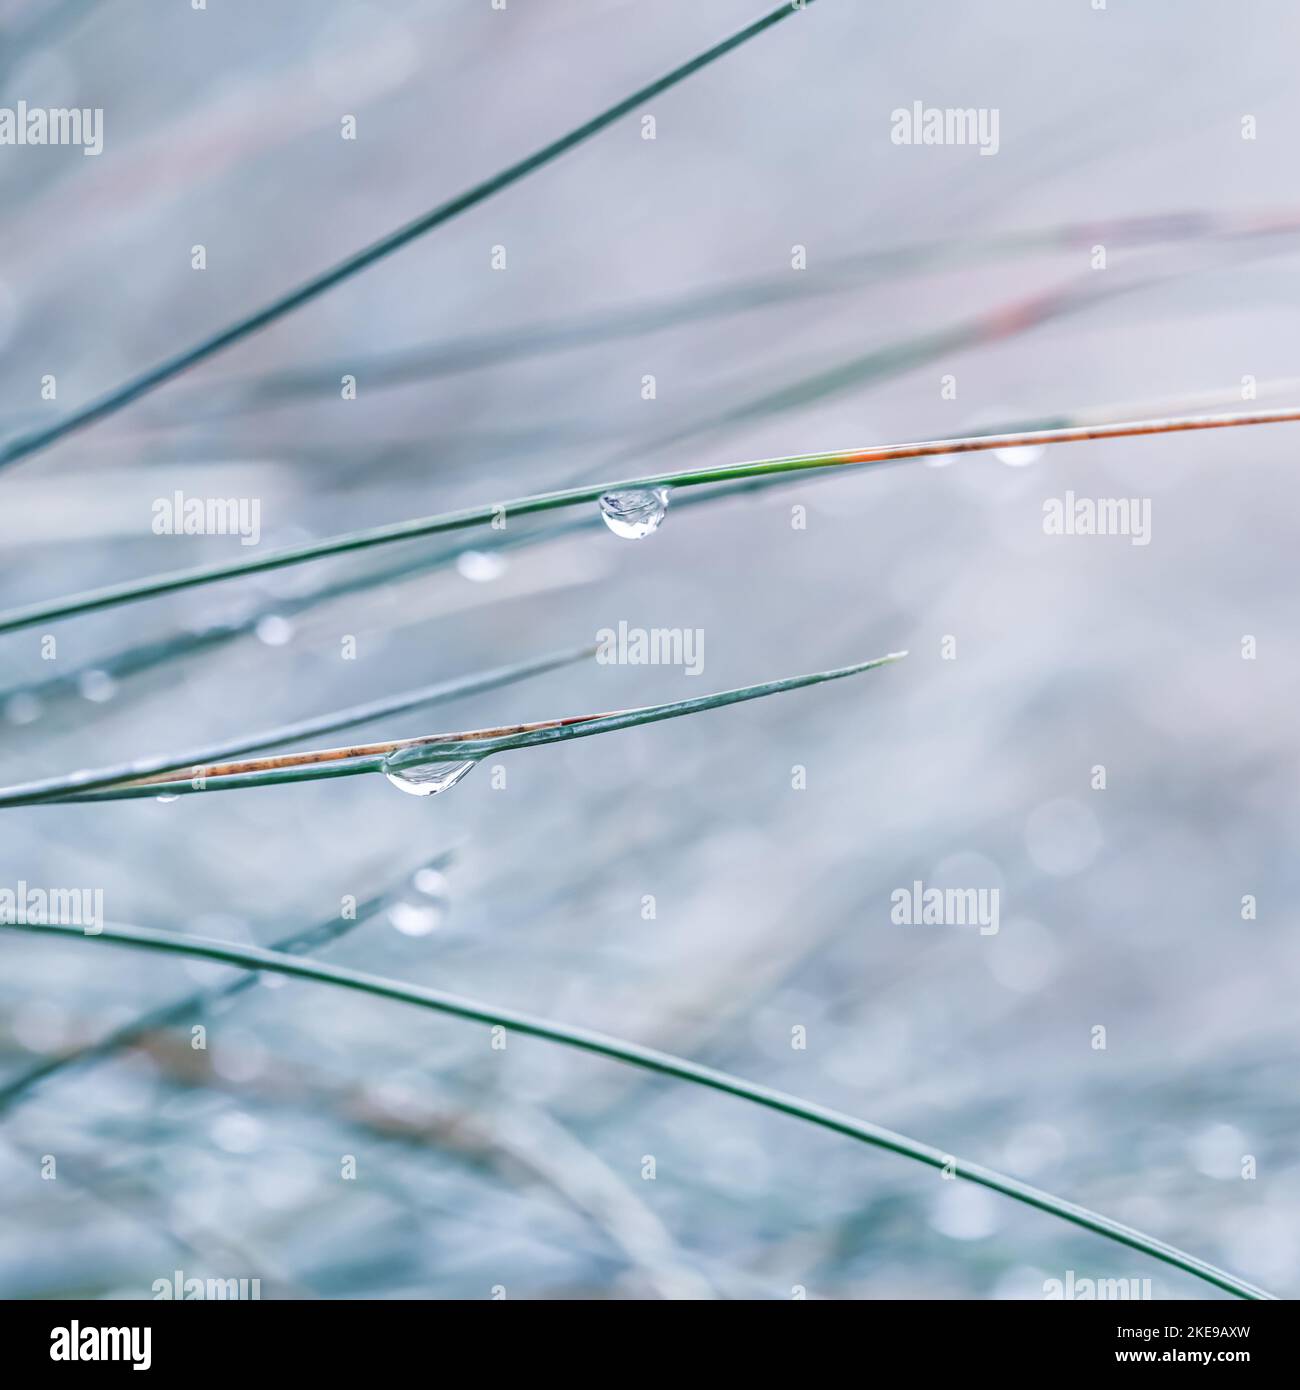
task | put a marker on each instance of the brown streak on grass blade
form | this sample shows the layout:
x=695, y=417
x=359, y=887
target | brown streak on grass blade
x=142, y=771
x=135, y=590
x=451, y=747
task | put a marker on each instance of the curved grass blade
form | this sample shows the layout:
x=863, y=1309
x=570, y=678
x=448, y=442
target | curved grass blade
x=665, y=1064
x=134, y=590
x=192, y=1006
x=49, y=788
x=36, y=440
x=397, y=755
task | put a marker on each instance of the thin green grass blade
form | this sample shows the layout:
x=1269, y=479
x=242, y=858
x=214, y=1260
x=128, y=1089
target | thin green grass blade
x=189, y=1009
x=134, y=590
x=143, y=657
x=47, y=789
x=665, y=1064
x=36, y=440
x=440, y=748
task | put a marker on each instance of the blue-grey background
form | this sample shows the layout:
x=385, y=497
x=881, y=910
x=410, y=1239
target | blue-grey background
x=1121, y=908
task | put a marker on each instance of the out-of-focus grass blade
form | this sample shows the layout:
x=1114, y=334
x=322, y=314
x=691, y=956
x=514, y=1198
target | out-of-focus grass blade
x=31, y=443
x=665, y=1064
x=189, y=1009
x=835, y=276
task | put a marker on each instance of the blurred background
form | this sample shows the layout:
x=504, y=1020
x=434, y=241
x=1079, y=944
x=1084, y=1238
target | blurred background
x=671, y=258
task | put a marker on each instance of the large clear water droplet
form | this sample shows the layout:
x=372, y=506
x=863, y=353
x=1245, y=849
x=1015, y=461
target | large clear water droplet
x=634, y=512
x=428, y=779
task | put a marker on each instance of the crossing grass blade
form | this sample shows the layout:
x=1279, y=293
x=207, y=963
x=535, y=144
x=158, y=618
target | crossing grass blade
x=51, y=788
x=401, y=755
x=32, y=442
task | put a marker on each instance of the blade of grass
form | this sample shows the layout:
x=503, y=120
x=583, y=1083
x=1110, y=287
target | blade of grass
x=451, y=357
x=665, y=1064
x=999, y=324
x=49, y=788
x=396, y=755
x=134, y=590
x=36, y=440
x=147, y=656
x=192, y=1006
x=392, y=368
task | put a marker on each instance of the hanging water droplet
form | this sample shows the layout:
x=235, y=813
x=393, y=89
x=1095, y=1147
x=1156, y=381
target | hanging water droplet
x=430, y=882
x=421, y=909
x=480, y=566
x=274, y=631
x=22, y=708
x=634, y=512
x=163, y=800
x=428, y=779
x=415, y=919
x=96, y=686
x=1019, y=455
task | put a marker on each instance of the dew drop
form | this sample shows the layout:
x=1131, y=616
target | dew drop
x=430, y=882
x=163, y=800
x=480, y=566
x=97, y=686
x=22, y=708
x=415, y=919
x=428, y=779
x=634, y=512
x=274, y=631
x=1019, y=455
x=421, y=909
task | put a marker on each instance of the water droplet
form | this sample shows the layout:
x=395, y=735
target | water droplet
x=480, y=566
x=428, y=779
x=415, y=919
x=430, y=882
x=1020, y=455
x=22, y=708
x=163, y=800
x=274, y=631
x=421, y=909
x=634, y=512
x=96, y=686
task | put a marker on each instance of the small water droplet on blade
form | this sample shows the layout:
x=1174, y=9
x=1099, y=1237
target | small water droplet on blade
x=430, y=882
x=1019, y=455
x=22, y=708
x=274, y=631
x=163, y=800
x=480, y=566
x=97, y=686
x=415, y=919
x=428, y=779
x=634, y=512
